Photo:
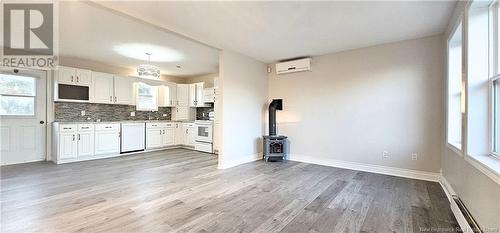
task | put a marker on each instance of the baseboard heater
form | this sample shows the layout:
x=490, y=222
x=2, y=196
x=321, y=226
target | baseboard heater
x=463, y=216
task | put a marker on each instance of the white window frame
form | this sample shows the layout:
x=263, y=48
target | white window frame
x=20, y=95
x=460, y=22
x=154, y=97
x=494, y=73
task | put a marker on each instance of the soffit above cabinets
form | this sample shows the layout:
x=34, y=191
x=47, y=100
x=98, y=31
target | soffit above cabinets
x=91, y=32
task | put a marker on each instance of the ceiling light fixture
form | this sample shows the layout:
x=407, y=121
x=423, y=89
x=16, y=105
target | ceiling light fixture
x=148, y=70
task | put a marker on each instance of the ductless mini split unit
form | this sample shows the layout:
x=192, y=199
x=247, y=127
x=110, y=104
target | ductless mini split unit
x=303, y=64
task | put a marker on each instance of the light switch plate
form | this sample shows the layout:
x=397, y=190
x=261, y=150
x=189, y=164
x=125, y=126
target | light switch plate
x=83, y=112
x=164, y=115
x=132, y=113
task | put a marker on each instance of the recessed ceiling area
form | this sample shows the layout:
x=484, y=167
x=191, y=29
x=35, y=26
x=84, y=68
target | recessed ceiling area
x=272, y=31
x=92, y=32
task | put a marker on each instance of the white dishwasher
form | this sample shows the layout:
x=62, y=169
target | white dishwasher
x=133, y=137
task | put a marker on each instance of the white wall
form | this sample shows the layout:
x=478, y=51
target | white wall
x=356, y=104
x=480, y=194
x=243, y=86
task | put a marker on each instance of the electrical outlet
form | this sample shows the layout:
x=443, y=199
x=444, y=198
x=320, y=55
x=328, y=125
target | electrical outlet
x=414, y=156
x=83, y=112
x=385, y=154
x=164, y=115
x=132, y=113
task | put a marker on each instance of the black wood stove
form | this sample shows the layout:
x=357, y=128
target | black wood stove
x=276, y=147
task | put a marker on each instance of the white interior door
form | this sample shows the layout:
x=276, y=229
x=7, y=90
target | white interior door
x=23, y=116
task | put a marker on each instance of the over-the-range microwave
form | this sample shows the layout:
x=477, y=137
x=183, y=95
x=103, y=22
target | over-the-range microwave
x=72, y=92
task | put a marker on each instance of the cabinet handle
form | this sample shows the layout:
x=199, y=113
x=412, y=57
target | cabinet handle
x=111, y=98
x=115, y=99
x=77, y=79
x=160, y=131
x=78, y=137
x=163, y=131
x=186, y=131
x=73, y=137
x=71, y=78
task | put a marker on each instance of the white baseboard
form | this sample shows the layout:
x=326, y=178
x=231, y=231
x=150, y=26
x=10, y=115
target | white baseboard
x=407, y=173
x=448, y=190
x=224, y=164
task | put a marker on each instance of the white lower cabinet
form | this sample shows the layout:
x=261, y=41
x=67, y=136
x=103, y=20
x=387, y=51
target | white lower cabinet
x=107, y=139
x=180, y=135
x=67, y=145
x=153, y=138
x=169, y=136
x=77, y=142
x=85, y=138
x=160, y=135
x=190, y=133
x=73, y=141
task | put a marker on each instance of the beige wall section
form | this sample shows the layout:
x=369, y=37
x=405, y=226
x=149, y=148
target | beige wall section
x=208, y=79
x=103, y=67
x=356, y=104
x=243, y=86
x=480, y=194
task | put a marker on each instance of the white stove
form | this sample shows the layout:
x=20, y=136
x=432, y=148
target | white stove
x=204, y=136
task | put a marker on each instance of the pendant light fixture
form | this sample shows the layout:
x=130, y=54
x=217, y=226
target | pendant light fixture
x=148, y=70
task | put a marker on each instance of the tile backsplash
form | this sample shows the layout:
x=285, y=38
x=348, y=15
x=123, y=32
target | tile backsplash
x=202, y=113
x=67, y=112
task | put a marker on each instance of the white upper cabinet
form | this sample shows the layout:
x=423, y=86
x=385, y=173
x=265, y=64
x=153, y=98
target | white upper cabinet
x=83, y=77
x=196, y=95
x=123, y=90
x=110, y=89
x=66, y=75
x=102, y=88
x=182, y=95
x=167, y=95
x=74, y=76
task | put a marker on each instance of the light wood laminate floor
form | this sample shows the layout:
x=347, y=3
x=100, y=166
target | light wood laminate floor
x=182, y=190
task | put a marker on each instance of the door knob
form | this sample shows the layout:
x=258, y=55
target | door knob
x=42, y=122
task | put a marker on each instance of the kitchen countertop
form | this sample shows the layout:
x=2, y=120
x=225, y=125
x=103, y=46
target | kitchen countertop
x=119, y=122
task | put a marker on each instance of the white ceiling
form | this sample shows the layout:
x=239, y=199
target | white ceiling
x=93, y=32
x=272, y=31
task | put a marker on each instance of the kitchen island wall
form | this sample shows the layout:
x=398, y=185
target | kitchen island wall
x=71, y=112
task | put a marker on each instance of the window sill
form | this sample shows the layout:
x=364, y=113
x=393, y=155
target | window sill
x=455, y=147
x=487, y=164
